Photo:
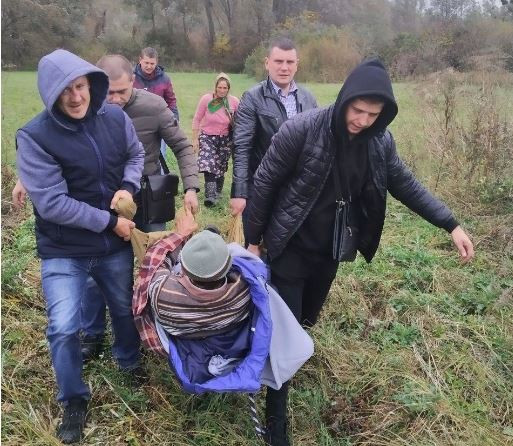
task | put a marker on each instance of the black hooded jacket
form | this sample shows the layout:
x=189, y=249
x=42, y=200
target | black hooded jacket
x=294, y=197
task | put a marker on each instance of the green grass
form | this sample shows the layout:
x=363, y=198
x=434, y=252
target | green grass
x=412, y=349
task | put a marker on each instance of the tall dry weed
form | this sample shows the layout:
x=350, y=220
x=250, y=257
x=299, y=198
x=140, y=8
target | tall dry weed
x=471, y=138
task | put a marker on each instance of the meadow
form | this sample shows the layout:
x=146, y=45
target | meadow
x=412, y=349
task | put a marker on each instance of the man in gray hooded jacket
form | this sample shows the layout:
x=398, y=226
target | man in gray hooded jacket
x=153, y=122
x=76, y=159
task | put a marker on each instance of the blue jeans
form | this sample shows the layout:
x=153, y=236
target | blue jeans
x=64, y=284
x=93, y=304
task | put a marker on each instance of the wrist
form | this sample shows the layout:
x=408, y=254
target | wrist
x=113, y=221
x=128, y=187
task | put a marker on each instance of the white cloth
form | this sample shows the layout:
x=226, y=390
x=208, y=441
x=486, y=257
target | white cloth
x=219, y=366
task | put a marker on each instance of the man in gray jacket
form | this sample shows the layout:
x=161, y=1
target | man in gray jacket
x=153, y=122
x=262, y=110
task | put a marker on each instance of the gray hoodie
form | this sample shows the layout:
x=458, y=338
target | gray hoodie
x=41, y=170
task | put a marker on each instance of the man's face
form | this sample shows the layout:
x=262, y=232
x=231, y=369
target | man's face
x=75, y=98
x=360, y=115
x=120, y=90
x=148, y=64
x=281, y=66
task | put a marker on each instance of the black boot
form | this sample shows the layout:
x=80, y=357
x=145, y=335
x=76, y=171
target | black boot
x=136, y=377
x=276, y=416
x=210, y=190
x=91, y=346
x=73, y=421
x=219, y=186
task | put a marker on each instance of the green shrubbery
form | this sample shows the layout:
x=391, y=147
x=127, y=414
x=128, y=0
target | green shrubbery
x=326, y=53
x=473, y=146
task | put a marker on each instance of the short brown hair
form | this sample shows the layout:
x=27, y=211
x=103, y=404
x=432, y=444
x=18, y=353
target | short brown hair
x=372, y=98
x=115, y=65
x=149, y=52
x=283, y=43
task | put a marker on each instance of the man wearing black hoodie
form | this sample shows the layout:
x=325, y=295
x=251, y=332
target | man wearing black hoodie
x=325, y=178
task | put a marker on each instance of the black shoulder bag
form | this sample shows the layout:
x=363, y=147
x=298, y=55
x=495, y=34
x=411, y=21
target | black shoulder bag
x=345, y=237
x=158, y=195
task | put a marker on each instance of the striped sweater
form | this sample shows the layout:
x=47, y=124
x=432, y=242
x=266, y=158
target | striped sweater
x=185, y=310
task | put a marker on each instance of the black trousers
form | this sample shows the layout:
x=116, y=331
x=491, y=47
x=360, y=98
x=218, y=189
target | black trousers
x=303, y=282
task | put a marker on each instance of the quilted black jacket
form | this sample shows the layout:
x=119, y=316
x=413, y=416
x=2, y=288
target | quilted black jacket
x=293, y=172
x=259, y=116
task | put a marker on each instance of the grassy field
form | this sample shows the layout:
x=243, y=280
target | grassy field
x=413, y=349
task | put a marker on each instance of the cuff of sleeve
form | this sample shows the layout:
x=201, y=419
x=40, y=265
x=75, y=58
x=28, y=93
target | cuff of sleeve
x=128, y=187
x=195, y=189
x=113, y=221
x=451, y=224
x=239, y=190
x=252, y=241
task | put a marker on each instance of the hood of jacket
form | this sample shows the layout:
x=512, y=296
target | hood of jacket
x=159, y=71
x=370, y=78
x=57, y=70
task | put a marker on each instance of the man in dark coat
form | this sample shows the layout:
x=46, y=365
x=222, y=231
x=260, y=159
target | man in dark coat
x=262, y=110
x=319, y=162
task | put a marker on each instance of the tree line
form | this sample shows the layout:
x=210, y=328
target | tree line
x=413, y=37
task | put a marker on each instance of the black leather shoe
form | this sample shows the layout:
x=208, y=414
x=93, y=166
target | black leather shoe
x=136, y=377
x=91, y=346
x=276, y=433
x=73, y=421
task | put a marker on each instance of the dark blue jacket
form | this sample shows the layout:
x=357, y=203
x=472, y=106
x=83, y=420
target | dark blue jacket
x=71, y=169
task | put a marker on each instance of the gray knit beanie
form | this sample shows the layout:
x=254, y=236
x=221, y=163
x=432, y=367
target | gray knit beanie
x=205, y=257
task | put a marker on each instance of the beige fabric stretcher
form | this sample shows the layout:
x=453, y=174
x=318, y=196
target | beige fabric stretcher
x=141, y=241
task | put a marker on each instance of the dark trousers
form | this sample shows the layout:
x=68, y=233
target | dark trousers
x=245, y=211
x=303, y=282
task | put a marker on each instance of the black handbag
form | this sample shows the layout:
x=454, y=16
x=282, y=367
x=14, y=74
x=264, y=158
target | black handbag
x=345, y=236
x=158, y=195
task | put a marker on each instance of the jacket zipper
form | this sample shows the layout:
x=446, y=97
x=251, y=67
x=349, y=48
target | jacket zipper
x=102, y=186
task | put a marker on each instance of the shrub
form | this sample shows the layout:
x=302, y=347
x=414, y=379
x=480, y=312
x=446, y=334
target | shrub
x=473, y=146
x=326, y=55
x=328, y=59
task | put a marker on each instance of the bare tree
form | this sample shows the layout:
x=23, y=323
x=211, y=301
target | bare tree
x=406, y=15
x=280, y=10
x=228, y=6
x=210, y=22
x=449, y=10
